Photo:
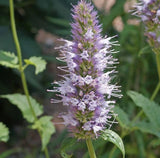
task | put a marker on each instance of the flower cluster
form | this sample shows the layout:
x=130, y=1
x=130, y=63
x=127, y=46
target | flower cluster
x=149, y=12
x=86, y=86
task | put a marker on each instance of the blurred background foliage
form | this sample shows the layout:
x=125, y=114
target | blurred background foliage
x=40, y=23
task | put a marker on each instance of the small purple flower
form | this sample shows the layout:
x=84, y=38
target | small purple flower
x=149, y=12
x=86, y=85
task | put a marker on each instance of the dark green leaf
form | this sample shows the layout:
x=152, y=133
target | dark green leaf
x=146, y=127
x=67, y=144
x=145, y=50
x=140, y=144
x=4, y=133
x=122, y=117
x=21, y=102
x=113, y=137
x=150, y=108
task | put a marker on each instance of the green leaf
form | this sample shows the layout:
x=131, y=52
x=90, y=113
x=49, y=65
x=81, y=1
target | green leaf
x=113, y=137
x=4, y=133
x=145, y=50
x=8, y=59
x=150, y=108
x=21, y=102
x=146, y=127
x=67, y=144
x=140, y=144
x=122, y=117
x=47, y=130
x=65, y=155
x=155, y=142
x=45, y=125
x=38, y=62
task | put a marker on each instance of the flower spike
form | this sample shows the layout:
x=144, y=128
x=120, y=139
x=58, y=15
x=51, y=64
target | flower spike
x=86, y=85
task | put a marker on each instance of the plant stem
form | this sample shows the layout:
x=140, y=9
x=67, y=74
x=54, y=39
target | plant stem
x=90, y=148
x=157, y=87
x=112, y=152
x=19, y=54
x=18, y=48
x=155, y=91
x=152, y=98
x=158, y=63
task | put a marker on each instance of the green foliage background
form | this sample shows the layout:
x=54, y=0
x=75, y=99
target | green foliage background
x=137, y=71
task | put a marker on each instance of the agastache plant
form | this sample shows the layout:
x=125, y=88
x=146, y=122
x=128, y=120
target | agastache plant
x=149, y=12
x=90, y=71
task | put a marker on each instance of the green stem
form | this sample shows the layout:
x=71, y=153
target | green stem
x=90, y=148
x=19, y=54
x=155, y=91
x=157, y=87
x=137, y=116
x=158, y=63
x=112, y=152
x=23, y=78
x=152, y=98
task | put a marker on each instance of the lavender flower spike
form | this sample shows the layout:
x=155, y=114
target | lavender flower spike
x=85, y=86
x=149, y=12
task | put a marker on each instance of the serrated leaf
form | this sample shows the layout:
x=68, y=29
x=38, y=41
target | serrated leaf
x=4, y=133
x=113, y=137
x=38, y=62
x=8, y=59
x=21, y=102
x=45, y=125
x=122, y=117
x=150, y=108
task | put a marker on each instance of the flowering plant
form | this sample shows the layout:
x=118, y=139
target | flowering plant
x=90, y=71
x=88, y=89
x=149, y=12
